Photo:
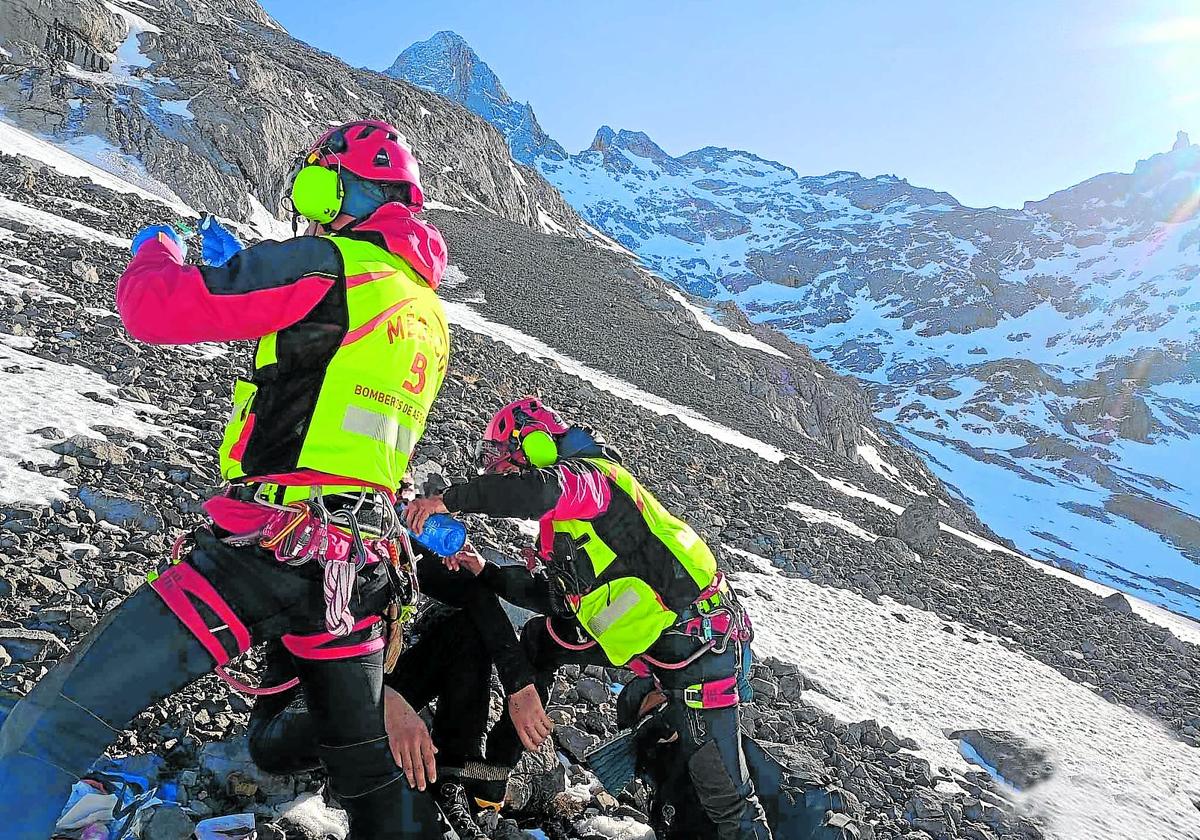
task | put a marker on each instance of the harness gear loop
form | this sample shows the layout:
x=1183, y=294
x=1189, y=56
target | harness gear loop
x=401, y=609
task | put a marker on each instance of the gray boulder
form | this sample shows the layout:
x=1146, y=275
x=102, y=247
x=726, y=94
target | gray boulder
x=919, y=528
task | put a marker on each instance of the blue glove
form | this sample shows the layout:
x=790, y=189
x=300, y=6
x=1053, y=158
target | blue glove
x=217, y=245
x=147, y=233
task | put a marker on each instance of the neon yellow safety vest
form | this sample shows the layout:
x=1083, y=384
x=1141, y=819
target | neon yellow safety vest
x=625, y=615
x=356, y=405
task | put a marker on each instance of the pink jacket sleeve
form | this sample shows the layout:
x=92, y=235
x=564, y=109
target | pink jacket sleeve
x=260, y=290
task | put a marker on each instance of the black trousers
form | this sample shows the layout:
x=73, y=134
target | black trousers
x=448, y=661
x=141, y=652
x=709, y=739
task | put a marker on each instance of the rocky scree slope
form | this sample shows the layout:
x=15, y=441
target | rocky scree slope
x=1042, y=359
x=122, y=497
x=213, y=99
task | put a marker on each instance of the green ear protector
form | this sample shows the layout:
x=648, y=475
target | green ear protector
x=540, y=448
x=318, y=192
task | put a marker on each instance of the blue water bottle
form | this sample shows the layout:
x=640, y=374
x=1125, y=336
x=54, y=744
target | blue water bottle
x=443, y=534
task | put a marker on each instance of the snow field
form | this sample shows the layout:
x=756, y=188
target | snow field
x=18, y=212
x=35, y=394
x=1183, y=627
x=1120, y=776
x=93, y=159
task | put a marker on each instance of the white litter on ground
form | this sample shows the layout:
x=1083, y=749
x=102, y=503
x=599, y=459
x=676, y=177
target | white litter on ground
x=309, y=813
x=732, y=336
x=35, y=394
x=467, y=318
x=1120, y=776
x=615, y=828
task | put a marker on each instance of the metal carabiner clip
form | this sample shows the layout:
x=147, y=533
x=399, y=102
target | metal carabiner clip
x=351, y=522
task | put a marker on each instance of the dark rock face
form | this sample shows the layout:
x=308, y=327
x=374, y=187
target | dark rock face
x=1016, y=761
x=82, y=33
x=216, y=101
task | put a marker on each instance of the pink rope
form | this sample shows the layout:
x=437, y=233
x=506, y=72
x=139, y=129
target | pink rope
x=237, y=685
x=339, y=586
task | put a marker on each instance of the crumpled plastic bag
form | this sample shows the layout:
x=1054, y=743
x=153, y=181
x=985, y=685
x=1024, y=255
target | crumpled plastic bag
x=88, y=804
x=230, y=827
x=115, y=798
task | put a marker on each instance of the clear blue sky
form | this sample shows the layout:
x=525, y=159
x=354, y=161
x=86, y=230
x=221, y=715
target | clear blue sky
x=996, y=102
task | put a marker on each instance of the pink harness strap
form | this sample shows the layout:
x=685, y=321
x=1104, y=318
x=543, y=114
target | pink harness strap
x=322, y=645
x=180, y=587
x=715, y=694
x=561, y=642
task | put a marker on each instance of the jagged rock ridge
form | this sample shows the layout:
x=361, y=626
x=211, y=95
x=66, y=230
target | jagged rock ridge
x=213, y=99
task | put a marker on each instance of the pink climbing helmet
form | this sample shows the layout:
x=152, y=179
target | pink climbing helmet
x=374, y=151
x=510, y=426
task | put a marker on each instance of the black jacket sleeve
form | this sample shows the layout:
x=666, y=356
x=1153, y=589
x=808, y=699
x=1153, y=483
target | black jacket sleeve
x=525, y=495
x=463, y=590
x=515, y=585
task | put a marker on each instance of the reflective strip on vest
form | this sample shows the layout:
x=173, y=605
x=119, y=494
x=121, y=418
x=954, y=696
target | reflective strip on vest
x=387, y=430
x=603, y=621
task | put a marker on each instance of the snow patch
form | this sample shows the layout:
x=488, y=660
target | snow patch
x=36, y=393
x=828, y=517
x=91, y=158
x=732, y=336
x=548, y=223
x=178, y=107
x=19, y=212
x=264, y=222
x=430, y=204
x=1120, y=775
x=875, y=461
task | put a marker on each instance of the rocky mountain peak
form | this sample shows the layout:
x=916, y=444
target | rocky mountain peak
x=634, y=142
x=446, y=65
x=1182, y=141
x=604, y=139
x=640, y=144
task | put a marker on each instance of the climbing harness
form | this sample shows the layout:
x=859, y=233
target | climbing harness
x=297, y=533
x=716, y=619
